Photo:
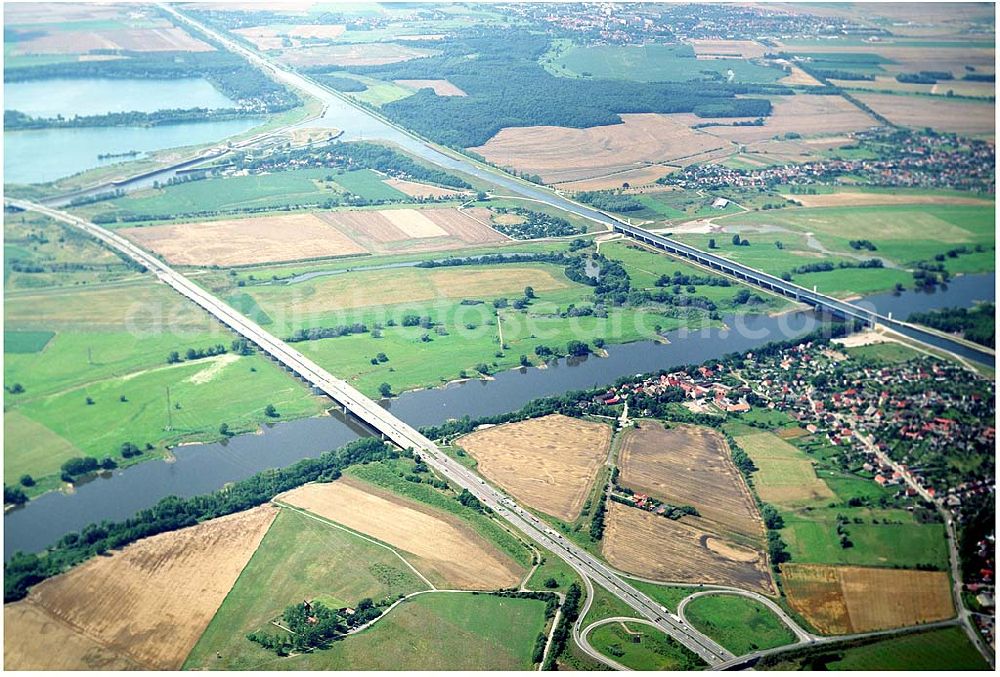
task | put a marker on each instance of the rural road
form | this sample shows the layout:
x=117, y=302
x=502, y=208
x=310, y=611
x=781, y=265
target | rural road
x=404, y=436
x=400, y=433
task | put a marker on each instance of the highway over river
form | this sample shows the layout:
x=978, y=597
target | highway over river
x=404, y=436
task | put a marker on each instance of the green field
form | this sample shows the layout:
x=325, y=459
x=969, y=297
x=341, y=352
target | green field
x=110, y=342
x=299, y=558
x=641, y=647
x=379, y=92
x=304, y=558
x=739, y=624
x=785, y=476
x=438, y=631
x=368, y=184
x=811, y=537
x=645, y=267
x=812, y=493
x=652, y=63
x=902, y=233
x=276, y=191
x=26, y=341
x=390, y=475
x=948, y=649
x=471, y=335
x=890, y=352
x=606, y=605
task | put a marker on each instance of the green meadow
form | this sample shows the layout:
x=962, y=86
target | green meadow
x=739, y=624
x=641, y=647
x=653, y=63
x=258, y=192
x=947, y=649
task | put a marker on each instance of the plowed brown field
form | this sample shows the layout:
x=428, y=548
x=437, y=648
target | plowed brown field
x=690, y=465
x=242, y=241
x=561, y=154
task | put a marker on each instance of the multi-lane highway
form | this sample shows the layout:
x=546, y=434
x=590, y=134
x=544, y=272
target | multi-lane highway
x=404, y=436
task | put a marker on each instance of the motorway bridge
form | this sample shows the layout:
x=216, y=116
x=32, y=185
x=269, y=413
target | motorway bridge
x=405, y=437
x=821, y=302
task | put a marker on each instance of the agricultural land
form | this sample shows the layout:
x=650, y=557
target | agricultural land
x=549, y=463
x=142, y=608
x=844, y=600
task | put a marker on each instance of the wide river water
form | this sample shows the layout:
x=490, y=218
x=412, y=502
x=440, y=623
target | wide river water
x=199, y=469
x=40, y=155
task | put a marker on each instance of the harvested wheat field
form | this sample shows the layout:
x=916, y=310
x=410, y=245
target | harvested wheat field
x=549, y=463
x=680, y=551
x=415, y=189
x=850, y=198
x=841, y=600
x=414, y=230
x=268, y=37
x=690, y=465
x=393, y=287
x=440, y=87
x=562, y=154
x=748, y=49
x=805, y=114
x=635, y=178
x=144, y=607
x=949, y=115
x=442, y=547
x=241, y=241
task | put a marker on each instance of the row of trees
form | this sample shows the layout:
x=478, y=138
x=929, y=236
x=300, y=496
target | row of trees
x=24, y=570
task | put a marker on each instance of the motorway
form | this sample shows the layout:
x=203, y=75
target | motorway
x=404, y=436
x=448, y=159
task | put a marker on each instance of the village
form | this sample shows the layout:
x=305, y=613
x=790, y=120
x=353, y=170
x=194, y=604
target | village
x=919, y=159
x=923, y=427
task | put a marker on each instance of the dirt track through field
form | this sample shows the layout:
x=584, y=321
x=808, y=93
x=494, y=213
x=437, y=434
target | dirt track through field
x=439, y=545
x=549, y=463
x=144, y=607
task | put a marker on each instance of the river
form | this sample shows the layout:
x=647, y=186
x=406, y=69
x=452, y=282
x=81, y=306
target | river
x=199, y=469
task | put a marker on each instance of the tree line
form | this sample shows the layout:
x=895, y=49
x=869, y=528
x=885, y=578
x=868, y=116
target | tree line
x=171, y=513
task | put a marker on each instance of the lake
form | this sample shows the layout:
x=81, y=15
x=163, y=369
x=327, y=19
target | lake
x=70, y=97
x=40, y=155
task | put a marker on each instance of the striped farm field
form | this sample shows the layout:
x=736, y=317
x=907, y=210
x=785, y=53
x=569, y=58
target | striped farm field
x=785, y=477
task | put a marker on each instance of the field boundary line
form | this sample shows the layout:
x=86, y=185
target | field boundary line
x=333, y=524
